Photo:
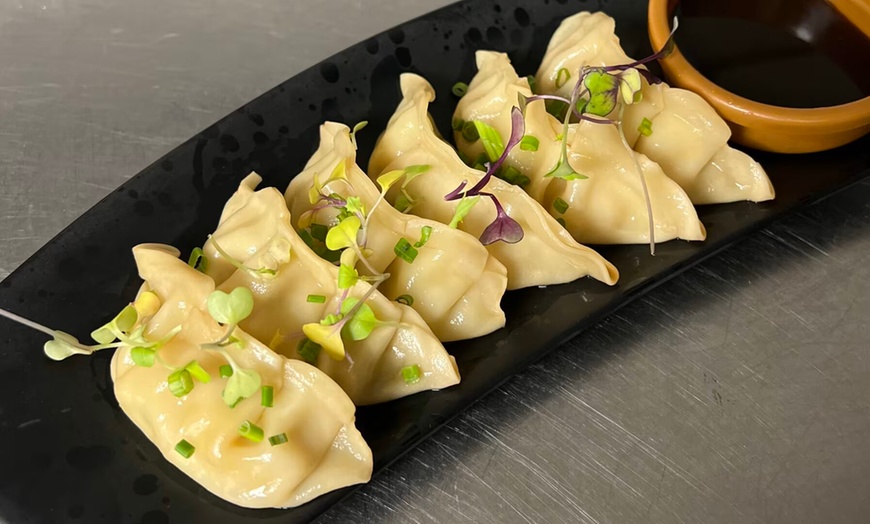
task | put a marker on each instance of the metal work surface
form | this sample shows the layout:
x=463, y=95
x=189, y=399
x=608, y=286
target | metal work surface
x=735, y=393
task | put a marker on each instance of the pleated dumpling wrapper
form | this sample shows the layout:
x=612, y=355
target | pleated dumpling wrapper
x=608, y=207
x=688, y=139
x=323, y=449
x=546, y=254
x=375, y=349
x=445, y=274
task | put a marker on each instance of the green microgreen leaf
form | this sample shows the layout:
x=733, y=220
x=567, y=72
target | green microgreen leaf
x=405, y=250
x=403, y=203
x=408, y=300
x=460, y=89
x=308, y=350
x=240, y=385
x=601, y=104
x=225, y=371
x=564, y=171
x=411, y=374
x=529, y=143
x=462, y=210
x=362, y=323
x=344, y=234
x=230, y=308
x=122, y=323
x=389, y=178
x=491, y=140
x=355, y=205
x=330, y=319
x=598, y=81
x=142, y=356
x=347, y=276
x=560, y=206
x=562, y=76
x=425, y=233
x=251, y=431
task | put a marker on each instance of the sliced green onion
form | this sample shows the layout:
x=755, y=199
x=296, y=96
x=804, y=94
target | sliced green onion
x=319, y=231
x=402, y=203
x=267, y=395
x=457, y=124
x=645, y=127
x=185, y=448
x=276, y=440
x=533, y=84
x=411, y=374
x=562, y=222
x=469, y=132
x=529, y=143
x=459, y=89
x=512, y=175
x=196, y=371
x=305, y=234
x=251, y=431
x=180, y=383
x=316, y=299
x=408, y=300
x=143, y=357
x=197, y=260
x=405, y=250
x=225, y=371
x=562, y=76
x=425, y=232
x=308, y=350
x=560, y=206
x=557, y=108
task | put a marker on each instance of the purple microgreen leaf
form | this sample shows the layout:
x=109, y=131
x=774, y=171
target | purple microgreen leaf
x=503, y=228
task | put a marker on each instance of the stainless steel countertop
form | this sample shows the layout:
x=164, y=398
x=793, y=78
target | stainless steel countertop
x=735, y=393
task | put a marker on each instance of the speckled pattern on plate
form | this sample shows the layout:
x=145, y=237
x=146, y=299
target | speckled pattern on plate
x=83, y=456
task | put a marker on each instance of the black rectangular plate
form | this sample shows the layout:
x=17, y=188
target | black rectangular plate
x=66, y=449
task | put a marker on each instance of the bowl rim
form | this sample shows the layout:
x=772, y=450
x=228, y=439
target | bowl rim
x=741, y=110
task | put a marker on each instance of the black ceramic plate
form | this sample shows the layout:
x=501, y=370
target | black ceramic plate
x=66, y=449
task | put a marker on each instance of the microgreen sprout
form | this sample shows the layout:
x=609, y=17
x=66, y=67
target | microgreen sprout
x=263, y=271
x=355, y=130
x=504, y=227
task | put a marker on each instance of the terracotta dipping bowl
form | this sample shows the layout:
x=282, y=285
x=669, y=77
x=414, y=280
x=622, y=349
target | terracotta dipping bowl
x=762, y=126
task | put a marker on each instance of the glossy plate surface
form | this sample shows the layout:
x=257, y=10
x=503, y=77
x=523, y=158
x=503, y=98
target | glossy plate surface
x=65, y=447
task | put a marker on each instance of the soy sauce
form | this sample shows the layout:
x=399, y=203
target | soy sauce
x=791, y=53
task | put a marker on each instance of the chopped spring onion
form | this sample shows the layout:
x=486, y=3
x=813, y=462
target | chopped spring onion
x=562, y=222
x=645, y=127
x=560, y=205
x=425, y=232
x=225, y=371
x=185, y=448
x=533, y=84
x=411, y=374
x=196, y=371
x=459, y=89
x=308, y=350
x=143, y=357
x=180, y=382
x=405, y=250
x=513, y=176
x=276, y=440
x=197, y=260
x=316, y=299
x=251, y=431
x=469, y=132
x=529, y=143
x=319, y=231
x=562, y=76
x=267, y=394
x=408, y=300
x=457, y=124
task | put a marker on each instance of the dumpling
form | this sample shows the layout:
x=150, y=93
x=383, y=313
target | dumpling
x=294, y=287
x=324, y=451
x=546, y=254
x=607, y=208
x=452, y=281
x=689, y=140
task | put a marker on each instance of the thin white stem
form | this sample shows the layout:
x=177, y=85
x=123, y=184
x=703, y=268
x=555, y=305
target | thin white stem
x=649, y=211
x=26, y=322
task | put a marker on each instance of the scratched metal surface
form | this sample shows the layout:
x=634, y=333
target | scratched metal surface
x=736, y=393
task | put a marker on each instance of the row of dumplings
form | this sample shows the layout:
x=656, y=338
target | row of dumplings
x=353, y=298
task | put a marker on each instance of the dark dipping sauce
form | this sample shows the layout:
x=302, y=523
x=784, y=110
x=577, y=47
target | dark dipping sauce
x=790, y=53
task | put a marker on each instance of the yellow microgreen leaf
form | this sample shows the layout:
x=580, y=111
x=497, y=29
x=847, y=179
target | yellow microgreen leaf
x=389, y=178
x=347, y=277
x=344, y=234
x=629, y=85
x=328, y=337
x=314, y=191
x=147, y=304
x=348, y=258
